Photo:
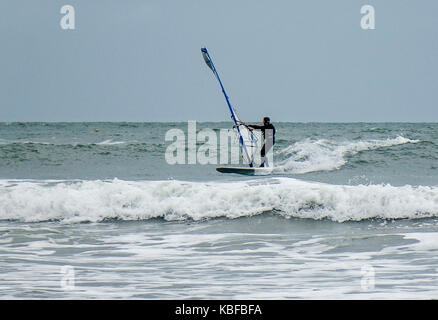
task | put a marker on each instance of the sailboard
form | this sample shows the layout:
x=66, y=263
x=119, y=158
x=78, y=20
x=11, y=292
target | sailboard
x=245, y=171
x=247, y=140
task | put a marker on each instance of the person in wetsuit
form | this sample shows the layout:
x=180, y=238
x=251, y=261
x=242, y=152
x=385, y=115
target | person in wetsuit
x=268, y=131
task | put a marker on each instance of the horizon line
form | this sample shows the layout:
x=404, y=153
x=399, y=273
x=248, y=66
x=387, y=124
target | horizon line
x=204, y=121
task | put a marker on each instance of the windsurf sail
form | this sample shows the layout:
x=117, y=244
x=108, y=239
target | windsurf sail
x=248, y=141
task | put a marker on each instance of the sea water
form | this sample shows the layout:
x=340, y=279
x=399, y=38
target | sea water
x=94, y=211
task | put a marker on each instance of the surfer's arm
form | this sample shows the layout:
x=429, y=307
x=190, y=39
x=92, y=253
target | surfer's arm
x=254, y=126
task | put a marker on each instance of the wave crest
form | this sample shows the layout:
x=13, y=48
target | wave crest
x=325, y=155
x=95, y=201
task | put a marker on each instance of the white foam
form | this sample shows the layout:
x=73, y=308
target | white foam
x=426, y=240
x=80, y=201
x=324, y=155
x=109, y=142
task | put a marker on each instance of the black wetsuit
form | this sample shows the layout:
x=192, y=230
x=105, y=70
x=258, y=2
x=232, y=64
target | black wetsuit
x=268, y=132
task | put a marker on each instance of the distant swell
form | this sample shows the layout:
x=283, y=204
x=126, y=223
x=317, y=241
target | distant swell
x=108, y=142
x=325, y=155
x=95, y=201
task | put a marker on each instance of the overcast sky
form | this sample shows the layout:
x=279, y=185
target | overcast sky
x=140, y=60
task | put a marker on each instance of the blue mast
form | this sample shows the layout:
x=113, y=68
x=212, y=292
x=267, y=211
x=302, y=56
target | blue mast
x=210, y=64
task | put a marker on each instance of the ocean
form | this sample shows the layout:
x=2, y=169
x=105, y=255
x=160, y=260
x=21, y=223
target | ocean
x=95, y=211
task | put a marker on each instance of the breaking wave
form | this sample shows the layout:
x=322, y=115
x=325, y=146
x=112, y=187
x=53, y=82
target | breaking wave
x=325, y=155
x=96, y=201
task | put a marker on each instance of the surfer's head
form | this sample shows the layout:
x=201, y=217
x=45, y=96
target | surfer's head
x=266, y=120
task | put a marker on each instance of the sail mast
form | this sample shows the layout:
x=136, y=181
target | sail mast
x=237, y=123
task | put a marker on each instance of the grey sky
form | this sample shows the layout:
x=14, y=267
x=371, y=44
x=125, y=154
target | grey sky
x=292, y=60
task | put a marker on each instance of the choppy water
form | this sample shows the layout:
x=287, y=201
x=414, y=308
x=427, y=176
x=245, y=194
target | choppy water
x=350, y=211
